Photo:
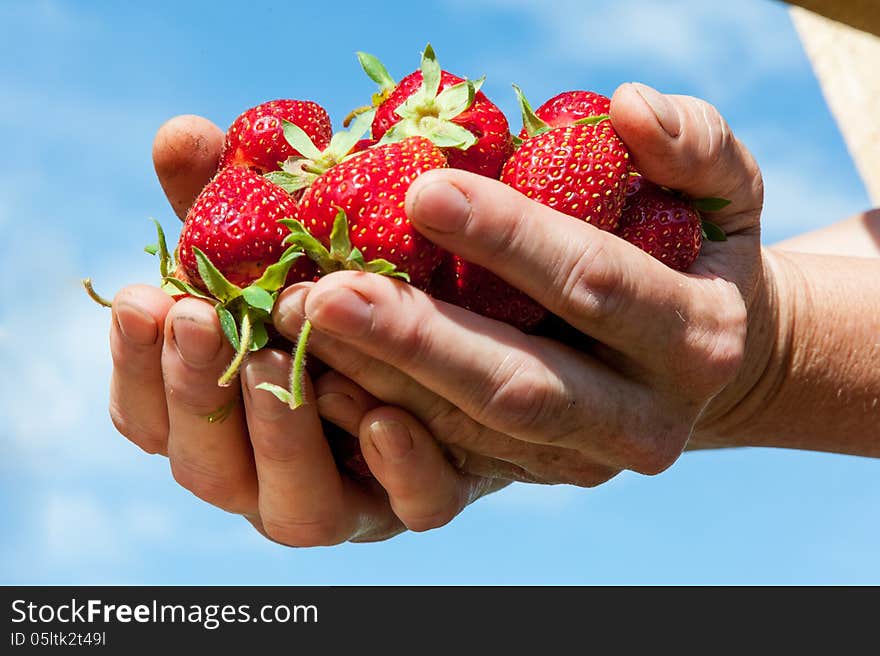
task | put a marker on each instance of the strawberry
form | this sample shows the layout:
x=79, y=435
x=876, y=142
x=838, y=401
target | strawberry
x=370, y=188
x=665, y=224
x=256, y=140
x=474, y=288
x=231, y=252
x=451, y=111
x=234, y=222
x=568, y=107
x=367, y=190
x=579, y=169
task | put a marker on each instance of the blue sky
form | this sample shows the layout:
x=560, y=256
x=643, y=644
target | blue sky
x=85, y=85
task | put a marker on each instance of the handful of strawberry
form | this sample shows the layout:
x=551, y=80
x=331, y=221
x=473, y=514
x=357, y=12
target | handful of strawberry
x=292, y=202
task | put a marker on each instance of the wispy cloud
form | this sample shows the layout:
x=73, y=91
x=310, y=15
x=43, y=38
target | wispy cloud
x=699, y=42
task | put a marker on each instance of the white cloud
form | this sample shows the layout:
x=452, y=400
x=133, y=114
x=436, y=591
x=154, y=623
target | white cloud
x=79, y=530
x=802, y=192
x=717, y=48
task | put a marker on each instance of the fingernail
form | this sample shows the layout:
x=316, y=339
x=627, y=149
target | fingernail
x=441, y=207
x=663, y=109
x=137, y=325
x=339, y=408
x=391, y=439
x=262, y=403
x=341, y=311
x=196, y=343
x=289, y=310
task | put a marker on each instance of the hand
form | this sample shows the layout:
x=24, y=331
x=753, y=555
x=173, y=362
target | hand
x=663, y=352
x=237, y=447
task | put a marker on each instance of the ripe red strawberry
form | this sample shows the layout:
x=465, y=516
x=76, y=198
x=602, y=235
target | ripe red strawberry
x=352, y=216
x=256, y=138
x=474, y=288
x=579, y=169
x=370, y=188
x=451, y=111
x=234, y=222
x=661, y=223
x=570, y=106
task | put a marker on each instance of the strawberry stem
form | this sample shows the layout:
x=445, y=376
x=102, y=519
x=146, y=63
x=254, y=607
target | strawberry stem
x=95, y=296
x=353, y=114
x=244, y=345
x=298, y=368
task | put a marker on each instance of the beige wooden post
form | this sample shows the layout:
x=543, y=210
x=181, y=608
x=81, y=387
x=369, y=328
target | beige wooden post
x=847, y=63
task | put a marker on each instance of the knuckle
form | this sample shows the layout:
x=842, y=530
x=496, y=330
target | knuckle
x=662, y=447
x=590, y=287
x=150, y=439
x=209, y=486
x=520, y=397
x=711, y=353
x=297, y=533
x=199, y=397
x=275, y=445
x=420, y=523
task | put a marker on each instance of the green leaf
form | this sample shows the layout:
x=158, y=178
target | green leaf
x=446, y=134
x=517, y=142
x=275, y=275
x=386, y=268
x=376, y=71
x=223, y=290
x=290, y=182
x=280, y=393
x=303, y=239
x=228, y=324
x=355, y=260
x=340, y=243
x=593, y=120
x=430, y=73
x=258, y=297
x=456, y=99
x=171, y=289
x=709, y=204
x=713, y=232
x=185, y=288
x=160, y=248
x=532, y=124
x=342, y=142
x=300, y=141
x=260, y=336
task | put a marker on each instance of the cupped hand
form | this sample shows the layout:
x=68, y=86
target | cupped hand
x=237, y=447
x=660, y=353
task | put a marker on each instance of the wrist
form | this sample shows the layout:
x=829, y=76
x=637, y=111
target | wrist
x=728, y=418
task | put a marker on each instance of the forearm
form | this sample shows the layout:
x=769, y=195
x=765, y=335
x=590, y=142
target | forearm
x=857, y=236
x=811, y=379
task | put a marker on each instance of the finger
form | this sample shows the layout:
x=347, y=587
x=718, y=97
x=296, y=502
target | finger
x=208, y=442
x=423, y=488
x=186, y=150
x=137, y=397
x=303, y=499
x=452, y=390
x=685, y=143
x=342, y=401
x=595, y=281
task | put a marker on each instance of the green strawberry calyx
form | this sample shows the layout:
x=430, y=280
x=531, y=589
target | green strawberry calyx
x=339, y=257
x=243, y=312
x=377, y=72
x=299, y=172
x=430, y=113
x=534, y=126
